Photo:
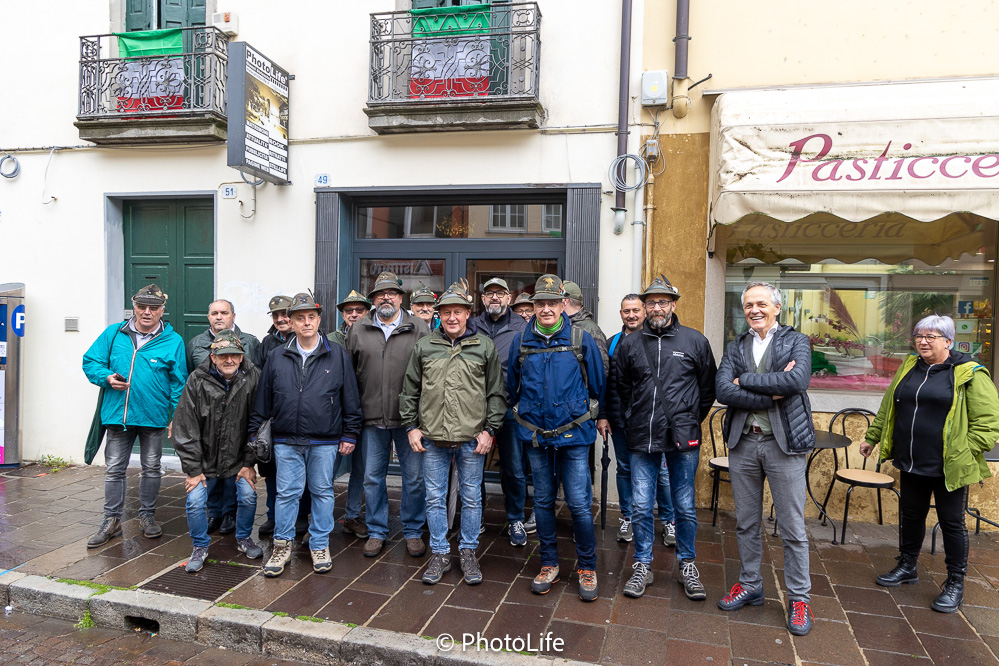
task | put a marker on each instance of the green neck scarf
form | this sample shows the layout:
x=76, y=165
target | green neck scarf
x=544, y=330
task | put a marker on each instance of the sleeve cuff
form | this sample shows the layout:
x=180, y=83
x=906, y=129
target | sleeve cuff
x=348, y=438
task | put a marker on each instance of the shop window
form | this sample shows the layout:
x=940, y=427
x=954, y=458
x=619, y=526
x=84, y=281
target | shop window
x=460, y=220
x=857, y=288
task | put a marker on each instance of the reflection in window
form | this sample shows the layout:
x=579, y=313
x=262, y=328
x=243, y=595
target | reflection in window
x=458, y=220
x=551, y=218
x=508, y=217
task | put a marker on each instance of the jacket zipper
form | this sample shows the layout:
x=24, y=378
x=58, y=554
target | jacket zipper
x=655, y=387
x=915, y=413
x=128, y=391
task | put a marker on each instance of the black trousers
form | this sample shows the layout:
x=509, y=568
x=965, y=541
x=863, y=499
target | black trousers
x=916, y=491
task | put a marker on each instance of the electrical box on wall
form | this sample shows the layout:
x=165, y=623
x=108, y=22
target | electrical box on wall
x=227, y=22
x=655, y=88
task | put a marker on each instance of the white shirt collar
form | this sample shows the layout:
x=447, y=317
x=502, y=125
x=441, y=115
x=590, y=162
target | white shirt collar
x=756, y=335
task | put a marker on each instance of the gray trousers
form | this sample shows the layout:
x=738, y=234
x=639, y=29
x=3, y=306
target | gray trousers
x=754, y=459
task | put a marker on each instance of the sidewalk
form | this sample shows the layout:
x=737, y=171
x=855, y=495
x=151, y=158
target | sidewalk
x=46, y=520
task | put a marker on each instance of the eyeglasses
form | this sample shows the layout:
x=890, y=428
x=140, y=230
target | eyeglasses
x=358, y=310
x=928, y=338
x=145, y=308
x=659, y=304
x=498, y=295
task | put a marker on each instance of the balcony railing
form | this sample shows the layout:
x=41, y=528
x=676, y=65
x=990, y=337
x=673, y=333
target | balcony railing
x=477, y=53
x=190, y=82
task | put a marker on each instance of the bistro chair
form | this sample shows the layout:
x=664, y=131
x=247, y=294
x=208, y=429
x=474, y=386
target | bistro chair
x=858, y=478
x=718, y=464
x=990, y=456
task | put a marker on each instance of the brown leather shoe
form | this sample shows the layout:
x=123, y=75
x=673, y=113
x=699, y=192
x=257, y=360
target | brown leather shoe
x=372, y=547
x=415, y=547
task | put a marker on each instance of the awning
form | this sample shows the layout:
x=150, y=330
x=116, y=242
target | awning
x=918, y=150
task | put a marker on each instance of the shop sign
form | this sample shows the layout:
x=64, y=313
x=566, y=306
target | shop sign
x=257, y=91
x=401, y=267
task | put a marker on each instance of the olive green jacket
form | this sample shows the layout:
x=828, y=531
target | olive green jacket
x=971, y=427
x=452, y=391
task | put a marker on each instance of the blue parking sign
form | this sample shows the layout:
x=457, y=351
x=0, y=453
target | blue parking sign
x=17, y=321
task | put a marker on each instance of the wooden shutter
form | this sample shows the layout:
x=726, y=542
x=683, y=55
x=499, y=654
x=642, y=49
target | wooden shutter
x=138, y=15
x=182, y=13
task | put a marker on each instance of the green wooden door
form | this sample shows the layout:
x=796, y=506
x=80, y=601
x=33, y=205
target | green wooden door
x=139, y=14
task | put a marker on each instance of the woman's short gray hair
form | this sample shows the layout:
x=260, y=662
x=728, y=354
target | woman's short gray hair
x=941, y=324
x=772, y=290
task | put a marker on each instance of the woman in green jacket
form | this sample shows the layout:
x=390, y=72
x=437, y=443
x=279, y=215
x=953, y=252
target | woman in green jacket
x=936, y=421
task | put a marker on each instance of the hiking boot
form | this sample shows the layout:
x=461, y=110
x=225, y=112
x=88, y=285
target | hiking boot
x=213, y=524
x=518, y=535
x=799, y=618
x=228, y=525
x=321, y=560
x=440, y=564
x=904, y=572
x=150, y=529
x=952, y=596
x=356, y=526
x=587, y=584
x=372, y=547
x=640, y=579
x=531, y=524
x=266, y=529
x=738, y=597
x=110, y=528
x=470, y=566
x=197, y=559
x=279, y=558
x=669, y=535
x=249, y=547
x=691, y=580
x=542, y=583
x=624, y=532
x=415, y=547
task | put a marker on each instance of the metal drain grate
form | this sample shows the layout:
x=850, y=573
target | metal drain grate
x=209, y=584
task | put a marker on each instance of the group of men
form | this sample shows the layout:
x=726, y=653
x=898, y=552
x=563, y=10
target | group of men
x=534, y=377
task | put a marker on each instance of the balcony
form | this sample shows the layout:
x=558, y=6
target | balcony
x=464, y=68
x=155, y=87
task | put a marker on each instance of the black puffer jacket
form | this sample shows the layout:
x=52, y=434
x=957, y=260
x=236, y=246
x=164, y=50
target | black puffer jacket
x=682, y=358
x=272, y=340
x=791, y=416
x=317, y=404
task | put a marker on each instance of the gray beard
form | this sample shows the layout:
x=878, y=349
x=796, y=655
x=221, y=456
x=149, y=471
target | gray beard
x=658, y=323
x=496, y=311
x=387, y=311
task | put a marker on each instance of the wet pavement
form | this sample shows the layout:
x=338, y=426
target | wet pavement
x=46, y=520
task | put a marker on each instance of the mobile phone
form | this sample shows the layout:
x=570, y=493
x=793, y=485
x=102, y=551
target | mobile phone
x=118, y=377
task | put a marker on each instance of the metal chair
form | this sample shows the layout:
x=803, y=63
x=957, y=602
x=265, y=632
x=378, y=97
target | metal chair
x=990, y=456
x=859, y=478
x=718, y=464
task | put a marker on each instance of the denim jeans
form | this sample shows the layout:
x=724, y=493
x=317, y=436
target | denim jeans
x=437, y=471
x=377, y=443
x=573, y=466
x=298, y=466
x=197, y=508
x=623, y=477
x=645, y=469
x=512, y=477
x=269, y=471
x=222, y=498
x=117, y=450
x=355, y=483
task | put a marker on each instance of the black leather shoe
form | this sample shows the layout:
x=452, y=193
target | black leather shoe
x=904, y=572
x=952, y=596
x=111, y=527
x=228, y=525
x=213, y=523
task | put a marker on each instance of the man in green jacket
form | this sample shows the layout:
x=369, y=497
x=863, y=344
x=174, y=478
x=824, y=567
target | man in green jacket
x=452, y=402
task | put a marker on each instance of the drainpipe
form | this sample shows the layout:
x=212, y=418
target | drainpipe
x=638, y=232
x=680, y=101
x=622, y=106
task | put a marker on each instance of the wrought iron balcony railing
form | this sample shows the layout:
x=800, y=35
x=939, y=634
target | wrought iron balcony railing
x=183, y=80
x=471, y=53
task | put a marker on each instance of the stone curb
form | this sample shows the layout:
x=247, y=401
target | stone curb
x=177, y=616
x=43, y=596
x=5, y=582
x=302, y=640
x=233, y=628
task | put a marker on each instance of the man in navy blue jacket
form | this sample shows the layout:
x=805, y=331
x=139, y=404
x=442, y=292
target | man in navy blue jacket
x=310, y=392
x=555, y=396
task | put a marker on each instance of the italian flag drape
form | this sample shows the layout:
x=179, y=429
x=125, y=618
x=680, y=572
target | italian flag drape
x=450, y=52
x=150, y=80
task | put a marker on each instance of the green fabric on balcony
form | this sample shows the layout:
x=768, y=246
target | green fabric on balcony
x=444, y=21
x=147, y=43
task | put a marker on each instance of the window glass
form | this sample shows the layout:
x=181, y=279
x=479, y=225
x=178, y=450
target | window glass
x=412, y=272
x=461, y=221
x=520, y=275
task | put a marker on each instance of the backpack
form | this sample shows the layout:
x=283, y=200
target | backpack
x=576, y=347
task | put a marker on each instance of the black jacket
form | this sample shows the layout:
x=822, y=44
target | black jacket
x=791, y=416
x=501, y=332
x=272, y=340
x=317, y=404
x=682, y=357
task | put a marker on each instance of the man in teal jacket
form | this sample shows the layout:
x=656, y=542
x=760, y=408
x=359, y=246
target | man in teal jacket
x=143, y=364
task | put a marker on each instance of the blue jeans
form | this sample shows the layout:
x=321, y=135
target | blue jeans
x=512, y=476
x=573, y=465
x=437, y=471
x=377, y=443
x=197, y=504
x=298, y=466
x=222, y=498
x=645, y=475
x=117, y=451
x=269, y=471
x=623, y=477
x=355, y=484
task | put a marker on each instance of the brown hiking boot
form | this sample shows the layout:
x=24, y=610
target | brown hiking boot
x=415, y=547
x=110, y=528
x=372, y=547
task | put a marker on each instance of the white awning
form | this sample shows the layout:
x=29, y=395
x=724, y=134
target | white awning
x=921, y=150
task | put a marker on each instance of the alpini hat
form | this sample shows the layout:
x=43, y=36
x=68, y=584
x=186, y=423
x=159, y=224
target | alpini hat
x=548, y=288
x=227, y=342
x=423, y=294
x=661, y=286
x=304, y=301
x=523, y=298
x=572, y=290
x=496, y=282
x=353, y=297
x=278, y=303
x=150, y=295
x=386, y=280
x=456, y=294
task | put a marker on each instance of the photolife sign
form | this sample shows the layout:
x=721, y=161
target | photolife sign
x=257, y=91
